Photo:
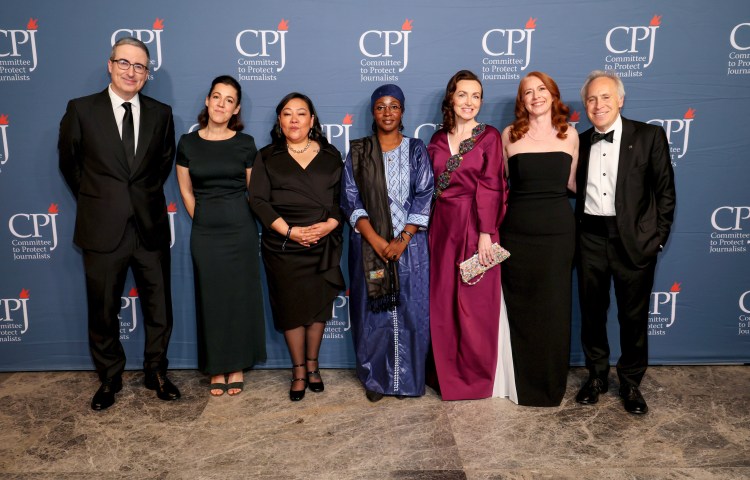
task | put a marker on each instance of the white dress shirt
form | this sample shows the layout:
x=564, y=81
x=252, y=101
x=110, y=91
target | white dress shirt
x=119, y=110
x=604, y=158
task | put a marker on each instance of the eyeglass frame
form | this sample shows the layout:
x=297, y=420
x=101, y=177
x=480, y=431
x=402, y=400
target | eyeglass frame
x=121, y=61
x=392, y=108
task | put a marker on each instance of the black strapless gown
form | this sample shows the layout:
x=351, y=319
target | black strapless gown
x=539, y=232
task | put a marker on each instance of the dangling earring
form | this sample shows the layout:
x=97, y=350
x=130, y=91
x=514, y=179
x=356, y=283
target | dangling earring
x=309, y=133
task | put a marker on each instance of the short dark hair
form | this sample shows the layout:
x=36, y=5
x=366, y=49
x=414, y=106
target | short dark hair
x=129, y=41
x=235, y=123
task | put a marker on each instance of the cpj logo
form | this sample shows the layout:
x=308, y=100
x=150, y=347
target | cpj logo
x=152, y=39
x=14, y=321
x=744, y=318
x=386, y=53
x=339, y=322
x=662, y=310
x=729, y=223
x=335, y=130
x=631, y=48
x=574, y=118
x=35, y=234
x=507, y=50
x=425, y=131
x=4, y=156
x=171, y=213
x=128, y=314
x=678, y=133
x=263, y=52
x=18, y=53
x=739, y=58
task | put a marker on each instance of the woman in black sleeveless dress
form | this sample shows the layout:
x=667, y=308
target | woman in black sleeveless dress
x=541, y=152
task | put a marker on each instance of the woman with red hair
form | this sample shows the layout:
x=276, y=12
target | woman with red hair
x=541, y=155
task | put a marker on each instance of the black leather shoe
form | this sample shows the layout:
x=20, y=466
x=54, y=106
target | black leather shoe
x=373, y=396
x=297, y=395
x=105, y=396
x=165, y=389
x=316, y=387
x=632, y=399
x=589, y=393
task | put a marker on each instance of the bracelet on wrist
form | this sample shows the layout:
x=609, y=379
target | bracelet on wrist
x=286, y=239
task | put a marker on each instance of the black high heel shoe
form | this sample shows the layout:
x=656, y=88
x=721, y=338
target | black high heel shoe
x=297, y=395
x=316, y=387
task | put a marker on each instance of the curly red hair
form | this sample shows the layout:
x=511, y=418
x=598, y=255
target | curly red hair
x=559, y=110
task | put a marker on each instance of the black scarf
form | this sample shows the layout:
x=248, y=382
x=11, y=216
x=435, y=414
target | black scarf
x=369, y=175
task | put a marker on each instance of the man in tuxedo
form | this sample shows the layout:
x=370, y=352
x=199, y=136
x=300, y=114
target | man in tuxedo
x=116, y=149
x=624, y=210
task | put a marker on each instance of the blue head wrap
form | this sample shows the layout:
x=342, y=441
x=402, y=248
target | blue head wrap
x=387, y=90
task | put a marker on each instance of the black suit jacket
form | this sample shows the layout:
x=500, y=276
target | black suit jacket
x=93, y=162
x=644, y=193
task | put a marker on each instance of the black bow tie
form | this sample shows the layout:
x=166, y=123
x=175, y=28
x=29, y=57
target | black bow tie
x=596, y=136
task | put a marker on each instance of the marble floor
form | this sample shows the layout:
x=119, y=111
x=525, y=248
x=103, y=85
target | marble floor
x=698, y=427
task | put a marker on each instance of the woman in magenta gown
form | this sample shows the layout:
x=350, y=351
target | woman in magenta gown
x=467, y=159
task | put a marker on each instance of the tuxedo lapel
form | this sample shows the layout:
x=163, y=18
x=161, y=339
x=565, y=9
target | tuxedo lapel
x=105, y=117
x=625, y=163
x=145, y=132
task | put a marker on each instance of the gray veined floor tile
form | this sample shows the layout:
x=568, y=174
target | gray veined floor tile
x=698, y=427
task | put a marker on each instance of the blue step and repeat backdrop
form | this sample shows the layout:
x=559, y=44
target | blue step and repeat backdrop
x=686, y=67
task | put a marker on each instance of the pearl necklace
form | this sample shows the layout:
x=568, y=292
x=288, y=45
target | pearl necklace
x=309, y=141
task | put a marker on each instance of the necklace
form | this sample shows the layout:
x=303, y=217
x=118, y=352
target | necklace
x=532, y=136
x=309, y=141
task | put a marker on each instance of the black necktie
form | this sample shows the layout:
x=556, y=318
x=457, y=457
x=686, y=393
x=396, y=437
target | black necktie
x=128, y=133
x=602, y=136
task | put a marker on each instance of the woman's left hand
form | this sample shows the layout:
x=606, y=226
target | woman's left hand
x=484, y=248
x=394, y=249
x=319, y=230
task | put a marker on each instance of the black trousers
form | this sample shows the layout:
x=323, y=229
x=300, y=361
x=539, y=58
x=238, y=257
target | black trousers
x=602, y=259
x=105, y=281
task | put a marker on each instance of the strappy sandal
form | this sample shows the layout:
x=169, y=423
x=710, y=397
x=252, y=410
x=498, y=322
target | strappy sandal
x=297, y=395
x=316, y=387
x=217, y=386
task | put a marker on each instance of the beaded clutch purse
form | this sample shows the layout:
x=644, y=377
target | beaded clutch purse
x=471, y=268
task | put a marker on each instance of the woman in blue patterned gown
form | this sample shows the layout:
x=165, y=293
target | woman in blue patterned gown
x=387, y=188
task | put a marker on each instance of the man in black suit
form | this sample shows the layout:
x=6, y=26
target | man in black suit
x=116, y=150
x=624, y=209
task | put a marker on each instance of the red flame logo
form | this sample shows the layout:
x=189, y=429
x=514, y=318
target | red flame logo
x=172, y=207
x=575, y=116
x=52, y=208
x=4, y=119
x=675, y=287
x=32, y=25
x=531, y=24
x=24, y=293
x=656, y=21
x=348, y=119
x=689, y=114
x=159, y=24
x=406, y=27
x=283, y=26
x=133, y=292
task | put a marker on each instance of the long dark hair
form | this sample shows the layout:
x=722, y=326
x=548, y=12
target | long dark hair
x=449, y=117
x=559, y=110
x=316, y=132
x=235, y=123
